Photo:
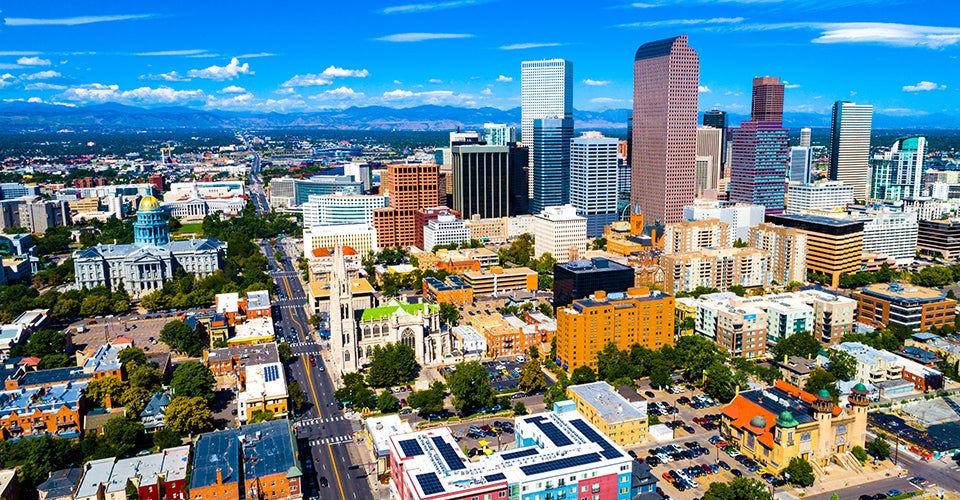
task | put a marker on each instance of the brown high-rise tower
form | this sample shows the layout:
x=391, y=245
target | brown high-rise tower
x=411, y=187
x=767, y=100
x=666, y=76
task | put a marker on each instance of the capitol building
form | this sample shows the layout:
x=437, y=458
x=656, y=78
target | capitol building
x=145, y=265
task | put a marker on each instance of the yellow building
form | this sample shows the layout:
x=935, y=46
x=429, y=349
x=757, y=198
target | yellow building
x=586, y=326
x=788, y=251
x=629, y=238
x=776, y=424
x=692, y=235
x=834, y=246
x=499, y=280
x=623, y=422
x=362, y=293
x=452, y=291
x=685, y=307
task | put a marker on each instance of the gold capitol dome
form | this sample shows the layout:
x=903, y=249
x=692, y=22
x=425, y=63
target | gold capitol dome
x=149, y=203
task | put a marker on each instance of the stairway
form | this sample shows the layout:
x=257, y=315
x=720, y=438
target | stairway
x=848, y=461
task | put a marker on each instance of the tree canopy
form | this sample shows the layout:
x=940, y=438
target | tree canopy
x=188, y=415
x=392, y=364
x=531, y=377
x=802, y=344
x=181, y=338
x=469, y=384
x=193, y=380
x=800, y=472
x=427, y=401
x=740, y=488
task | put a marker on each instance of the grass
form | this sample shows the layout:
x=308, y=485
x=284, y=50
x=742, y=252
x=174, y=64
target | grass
x=196, y=227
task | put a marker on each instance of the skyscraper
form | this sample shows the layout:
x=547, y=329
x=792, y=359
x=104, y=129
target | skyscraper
x=759, y=164
x=850, y=145
x=898, y=173
x=666, y=76
x=805, y=137
x=593, y=180
x=411, y=187
x=499, y=134
x=767, y=99
x=485, y=179
x=801, y=164
x=718, y=119
x=709, y=153
x=551, y=162
x=546, y=91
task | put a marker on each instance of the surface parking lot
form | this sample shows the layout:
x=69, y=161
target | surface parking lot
x=503, y=374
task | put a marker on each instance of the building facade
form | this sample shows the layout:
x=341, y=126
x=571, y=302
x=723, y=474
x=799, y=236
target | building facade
x=558, y=230
x=709, y=154
x=692, y=235
x=759, y=163
x=767, y=103
x=414, y=325
x=788, y=251
x=898, y=173
x=340, y=208
x=850, y=146
x=489, y=180
x=593, y=180
x=411, y=187
x=546, y=91
x=739, y=217
x=834, y=246
x=361, y=237
x=444, y=230
x=915, y=307
x=939, y=238
x=802, y=198
x=551, y=162
x=718, y=268
x=801, y=164
x=624, y=422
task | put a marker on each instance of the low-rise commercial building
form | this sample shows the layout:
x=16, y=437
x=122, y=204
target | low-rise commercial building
x=233, y=360
x=915, y=307
x=444, y=230
x=499, y=280
x=939, y=238
x=468, y=343
x=264, y=389
x=452, y=290
x=624, y=422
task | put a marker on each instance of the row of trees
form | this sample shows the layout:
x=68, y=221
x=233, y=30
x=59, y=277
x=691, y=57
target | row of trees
x=520, y=253
x=97, y=301
x=49, y=346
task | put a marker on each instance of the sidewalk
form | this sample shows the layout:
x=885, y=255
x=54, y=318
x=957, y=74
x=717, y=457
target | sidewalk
x=837, y=478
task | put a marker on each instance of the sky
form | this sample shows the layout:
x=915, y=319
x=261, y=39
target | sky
x=300, y=55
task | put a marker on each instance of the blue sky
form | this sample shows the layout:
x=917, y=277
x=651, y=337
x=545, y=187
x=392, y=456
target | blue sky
x=899, y=55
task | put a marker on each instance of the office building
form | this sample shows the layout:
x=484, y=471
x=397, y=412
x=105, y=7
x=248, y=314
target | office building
x=499, y=134
x=11, y=190
x=546, y=91
x=340, y=208
x=758, y=167
x=737, y=327
x=361, y=172
x=718, y=119
x=489, y=180
x=593, y=180
x=39, y=215
x=444, y=230
x=834, y=246
x=666, y=78
x=779, y=423
x=360, y=237
x=739, y=217
x=767, y=103
x=452, y=290
x=622, y=421
x=805, y=133
x=788, y=252
x=915, y=307
x=939, y=238
x=501, y=280
x=325, y=184
x=718, y=268
x=890, y=233
x=579, y=279
x=803, y=198
x=586, y=326
x=850, y=146
x=424, y=215
x=898, y=174
x=145, y=265
x=557, y=455
x=551, y=162
x=801, y=164
x=692, y=235
x=709, y=158
x=558, y=230
x=411, y=187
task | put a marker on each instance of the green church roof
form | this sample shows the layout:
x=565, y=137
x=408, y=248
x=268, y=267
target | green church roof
x=385, y=311
x=860, y=388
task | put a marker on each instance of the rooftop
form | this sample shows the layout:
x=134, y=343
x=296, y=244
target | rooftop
x=911, y=294
x=798, y=365
x=256, y=354
x=46, y=399
x=320, y=289
x=215, y=451
x=392, y=307
x=268, y=448
x=61, y=483
x=596, y=265
x=381, y=428
x=54, y=376
x=258, y=300
x=612, y=407
x=256, y=328
x=264, y=381
x=228, y=302
x=95, y=473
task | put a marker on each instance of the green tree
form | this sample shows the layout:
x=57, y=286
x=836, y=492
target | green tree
x=469, y=384
x=392, y=364
x=533, y=352
x=834, y=497
x=188, y=415
x=553, y=348
x=843, y=366
x=427, y=401
x=120, y=435
x=355, y=393
x=257, y=416
x=879, y=447
x=933, y=276
x=133, y=355
x=388, y=403
x=740, y=488
x=722, y=383
x=802, y=344
x=519, y=409
x=800, y=472
x=861, y=454
x=697, y=292
x=285, y=352
x=193, y=380
x=531, y=377
x=99, y=389
x=822, y=379
x=297, y=397
x=181, y=338
x=740, y=244
x=520, y=250
x=660, y=372
x=166, y=438
x=696, y=354
x=42, y=343
x=449, y=314
x=316, y=321
x=582, y=375
x=145, y=376
x=739, y=290
x=51, y=361
x=600, y=244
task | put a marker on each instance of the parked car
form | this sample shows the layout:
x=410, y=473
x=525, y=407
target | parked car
x=736, y=473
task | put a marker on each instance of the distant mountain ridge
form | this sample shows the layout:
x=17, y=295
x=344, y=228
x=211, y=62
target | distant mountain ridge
x=28, y=116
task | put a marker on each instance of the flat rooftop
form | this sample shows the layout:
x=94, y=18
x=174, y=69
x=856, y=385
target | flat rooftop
x=612, y=407
x=910, y=294
x=596, y=265
x=256, y=354
x=268, y=448
x=258, y=300
x=213, y=451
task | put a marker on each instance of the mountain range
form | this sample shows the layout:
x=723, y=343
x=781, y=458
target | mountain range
x=21, y=116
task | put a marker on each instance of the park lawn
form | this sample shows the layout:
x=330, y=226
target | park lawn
x=196, y=227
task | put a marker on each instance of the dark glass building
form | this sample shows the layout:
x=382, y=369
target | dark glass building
x=578, y=279
x=489, y=180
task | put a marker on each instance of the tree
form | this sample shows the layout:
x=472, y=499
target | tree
x=600, y=244
x=188, y=415
x=42, y=343
x=133, y=355
x=297, y=397
x=722, y=383
x=388, y=403
x=520, y=409
x=553, y=348
x=739, y=290
x=800, y=472
x=120, y=435
x=546, y=309
x=822, y=379
x=449, y=314
x=740, y=488
x=99, y=389
x=316, y=321
x=469, y=384
x=145, y=376
x=392, y=364
x=933, y=276
x=660, y=372
x=879, y=447
x=257, y=416
x=834, y=497
x=181, y=338
x=861, y=454
x=533, y=352
x=582, y=374
x=695, y=354
x=51, y=361
x=843, y=366
x=427, y=401
x=520, y=250
x=531, y=377
x=192, y=379
x=285, y=352
x=802, y=344
x=166, y=438
x=740, y=243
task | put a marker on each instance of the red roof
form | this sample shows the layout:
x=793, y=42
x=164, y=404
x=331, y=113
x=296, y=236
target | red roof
x=30, y=361
x=327, y=251
x=122, y=340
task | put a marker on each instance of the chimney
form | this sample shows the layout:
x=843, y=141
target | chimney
x=108, y=402
x=219, y=476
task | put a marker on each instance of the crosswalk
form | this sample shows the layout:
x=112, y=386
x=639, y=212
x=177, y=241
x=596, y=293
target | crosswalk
x=303, y=344
x=332, y=440
x=309, y=353
x=316, y=421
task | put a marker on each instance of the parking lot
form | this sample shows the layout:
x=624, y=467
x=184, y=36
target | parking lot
x=139, y=327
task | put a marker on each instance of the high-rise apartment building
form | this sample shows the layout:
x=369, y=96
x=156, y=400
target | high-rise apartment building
x=593, y=180
x=739, y=217
x=499, y=134
x=341, y=208
x=824, y=194
x=40, y=215
x=551, y=162
x=788, y=251
x=586, y=326
x=445, y=229
x=805, y=134
x=718, y=268
x=850, y=145
x=709, y=156
x=489, y=180
x=801, y=164
x=767, y=100
x=759, y=164
x=834, y=246
x=898, y=173
x=561, y=232
x=692, y=235
x=666, y=76
x=546, y=91
x=412, y=187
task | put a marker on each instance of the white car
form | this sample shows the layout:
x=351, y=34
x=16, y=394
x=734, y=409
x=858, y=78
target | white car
x=521, y=359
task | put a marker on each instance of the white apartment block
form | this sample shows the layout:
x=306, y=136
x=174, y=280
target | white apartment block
x=443, y=230
x=561, y=232
x=593, y=180
x=739, y=217
x=788, y=251
x=893, y=234
x=718, y=268
x=340, y=208
x=360, y=237
x=802, y=198
x=689, y=236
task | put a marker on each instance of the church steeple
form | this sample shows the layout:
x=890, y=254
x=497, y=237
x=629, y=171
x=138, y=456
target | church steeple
x=150, y=229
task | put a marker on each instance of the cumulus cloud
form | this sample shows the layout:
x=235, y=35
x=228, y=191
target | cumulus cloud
x=522, y=46
x=7, y=79
x=98, y=93
x=788, y=85
x=335, y=72
x=923, y=86
x=221, y=73
x=35, y=100
x=172, y=76
x=233, y=89
x=325, y=77
x=487, y=91
x=596, y=83
x=420, y=37
x=435, y=80
x=42, y=75
x=504, y=79
x=33, y=61
x=337, y=94
x=703, y=89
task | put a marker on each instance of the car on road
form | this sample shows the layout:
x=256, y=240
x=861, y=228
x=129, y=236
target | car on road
x=323, y=482
x=894, y=492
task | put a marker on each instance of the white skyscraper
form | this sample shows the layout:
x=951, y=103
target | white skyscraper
x=499, y=134
x=546, y=91
x=593, y=180
x=709, y=149
x=850, y=146
x=805, y=137
x=801, y=164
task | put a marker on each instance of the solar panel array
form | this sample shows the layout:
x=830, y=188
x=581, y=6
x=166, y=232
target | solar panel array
x=609, y=451
x=553, y=433
x=517, y=454
x=448, y=453
x=411, y=448
x=271, y=373
x=429, y=483
x=496, y=477
x=560, y=464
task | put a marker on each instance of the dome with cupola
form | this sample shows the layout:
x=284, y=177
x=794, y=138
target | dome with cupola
x=150, y=204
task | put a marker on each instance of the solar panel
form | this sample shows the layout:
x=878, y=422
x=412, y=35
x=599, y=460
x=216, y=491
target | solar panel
x=609, y=451
x=496, y=477
x=553, y=433
x=429, y=483
x=411, y=448
x=448, y=453
x=560, y=464
x=519, y=454
x=271, y=373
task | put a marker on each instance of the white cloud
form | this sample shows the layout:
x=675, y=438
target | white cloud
x=337, y=94
x=256, y=55
x=426, y=7
x=221, y=73
x=98, y=93
x=419, y=37
x=325, y=77
x=43, y=86
x=435, y=80
x=504, y=79
x=397, y=94
x=285, y=91
x=72, y=21
x=902, y=112
x=788, y=85
x=35, y=100
x=641, y=5
x=397, y=82
x=42, y=75
x=10, y=66
x=401, y=97
x=185, y=52
x=923, y=86
x=596, y=83
x=8, y=53
x=607, y=101
x=33, y=61
x=522, y=46
x=735, y=94
x=238, y=101
x=703, y=89
x=487, y=91
x=898, y=35
x=683, y=22
x=335, y=72
x=172, y=76
x=233, y=89
x=7, y=79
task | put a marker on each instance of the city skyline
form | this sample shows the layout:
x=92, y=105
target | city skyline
x=79, y=53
